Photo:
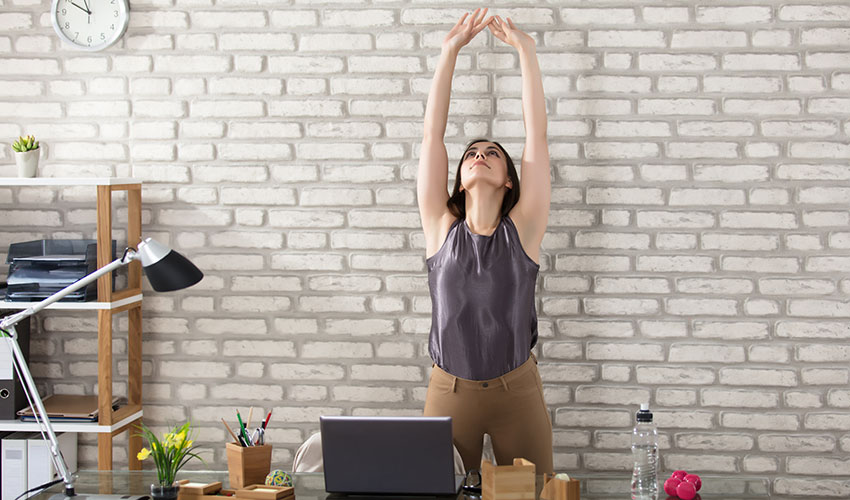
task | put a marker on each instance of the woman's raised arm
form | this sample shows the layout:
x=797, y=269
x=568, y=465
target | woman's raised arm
x=432, y=178
x=531, y=213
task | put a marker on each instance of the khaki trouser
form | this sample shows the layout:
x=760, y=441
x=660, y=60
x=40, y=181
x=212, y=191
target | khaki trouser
x=509, y=408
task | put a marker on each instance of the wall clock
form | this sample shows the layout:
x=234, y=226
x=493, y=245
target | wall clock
x=90, y=24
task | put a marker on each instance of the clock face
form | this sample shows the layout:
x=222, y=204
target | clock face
x=90, y=24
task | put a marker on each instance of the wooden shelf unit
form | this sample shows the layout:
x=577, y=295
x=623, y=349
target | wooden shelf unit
x=110, y=302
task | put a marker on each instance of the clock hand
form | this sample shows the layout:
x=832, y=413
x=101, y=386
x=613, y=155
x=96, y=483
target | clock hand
x=82, y=9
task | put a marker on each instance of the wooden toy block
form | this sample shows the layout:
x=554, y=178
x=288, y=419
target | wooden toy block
x=202, y=491
x=265, y=492
x=508, y=482
x=199, y=488
x=559, y=489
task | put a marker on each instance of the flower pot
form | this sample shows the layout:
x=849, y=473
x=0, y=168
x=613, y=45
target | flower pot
x=162, y=492
x=27, y=162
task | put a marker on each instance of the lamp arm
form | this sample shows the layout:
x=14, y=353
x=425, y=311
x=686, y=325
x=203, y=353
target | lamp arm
x=128, y=257
x=40, y=413
x=8, y=325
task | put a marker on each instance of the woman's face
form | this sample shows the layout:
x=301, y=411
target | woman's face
x=485, y=163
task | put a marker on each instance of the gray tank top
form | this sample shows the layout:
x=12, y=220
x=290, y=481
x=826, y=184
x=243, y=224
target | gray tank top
x=483, y=319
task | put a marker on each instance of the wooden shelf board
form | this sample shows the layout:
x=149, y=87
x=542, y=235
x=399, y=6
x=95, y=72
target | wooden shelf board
x=17, y=425
x=67, y=181
x=80, y=306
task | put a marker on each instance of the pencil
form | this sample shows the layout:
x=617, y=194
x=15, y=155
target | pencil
x=248, y=422
x=230, y=430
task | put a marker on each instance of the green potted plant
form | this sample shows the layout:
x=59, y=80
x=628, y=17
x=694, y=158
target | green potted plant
x=169, y=454
x=26, y=155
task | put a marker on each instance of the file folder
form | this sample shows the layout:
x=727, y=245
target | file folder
x=13, y=464
x=40, y=467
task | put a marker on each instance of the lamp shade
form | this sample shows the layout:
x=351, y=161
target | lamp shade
x=166, y=269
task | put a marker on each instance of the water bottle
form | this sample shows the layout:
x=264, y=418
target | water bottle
x=645, y=453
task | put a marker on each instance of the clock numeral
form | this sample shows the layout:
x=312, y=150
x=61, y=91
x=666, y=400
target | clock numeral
x=102, y=36
x=76, y=34
x=116, y=13
x=112, y=27
x=67, y=25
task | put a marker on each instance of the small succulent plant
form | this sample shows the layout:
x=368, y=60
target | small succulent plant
x=24, y=144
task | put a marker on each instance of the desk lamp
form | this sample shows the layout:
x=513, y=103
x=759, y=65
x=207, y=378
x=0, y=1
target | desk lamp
x=166, y=269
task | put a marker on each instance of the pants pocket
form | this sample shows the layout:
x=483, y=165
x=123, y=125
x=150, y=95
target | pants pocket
x=542, y=398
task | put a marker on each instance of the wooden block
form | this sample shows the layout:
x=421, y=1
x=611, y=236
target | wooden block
x=218, y=495
x=202, y=491
x=199, y=488
x=508, y=482
x=266, y=492
x=558, y=489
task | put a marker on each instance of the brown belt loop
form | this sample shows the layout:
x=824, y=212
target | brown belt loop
x=454, y=384
x=504, y=383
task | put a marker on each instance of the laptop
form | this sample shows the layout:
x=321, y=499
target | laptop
x=389, y=456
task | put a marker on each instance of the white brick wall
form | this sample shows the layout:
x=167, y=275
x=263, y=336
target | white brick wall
x=697, y=243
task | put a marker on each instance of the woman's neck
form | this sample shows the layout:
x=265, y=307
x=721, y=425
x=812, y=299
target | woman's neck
x=483, y=214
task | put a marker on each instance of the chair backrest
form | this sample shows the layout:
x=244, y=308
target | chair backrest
x=308, y=457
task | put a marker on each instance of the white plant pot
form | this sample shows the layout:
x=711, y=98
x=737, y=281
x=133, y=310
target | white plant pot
x=27, y=162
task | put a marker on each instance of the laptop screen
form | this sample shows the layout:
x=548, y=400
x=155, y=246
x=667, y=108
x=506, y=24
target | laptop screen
x=388, y=455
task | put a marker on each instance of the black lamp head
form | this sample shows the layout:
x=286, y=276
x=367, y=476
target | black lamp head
x=166, y=269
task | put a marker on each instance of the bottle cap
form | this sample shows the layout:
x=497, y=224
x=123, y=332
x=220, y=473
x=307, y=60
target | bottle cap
x=644, y=415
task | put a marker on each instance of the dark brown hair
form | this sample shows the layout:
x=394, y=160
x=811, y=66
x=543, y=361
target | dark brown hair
x=457, y=201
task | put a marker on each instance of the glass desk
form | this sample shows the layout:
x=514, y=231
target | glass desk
x=311, y=486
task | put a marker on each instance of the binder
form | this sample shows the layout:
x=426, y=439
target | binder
x=40, y=466
x=12, y=396
x=13, y=464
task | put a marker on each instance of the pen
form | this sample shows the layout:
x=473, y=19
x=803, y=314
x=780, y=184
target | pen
x=257, y=436
x=242, y=431
x=266, y=423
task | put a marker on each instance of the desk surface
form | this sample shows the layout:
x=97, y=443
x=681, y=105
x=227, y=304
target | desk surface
x=311, y=486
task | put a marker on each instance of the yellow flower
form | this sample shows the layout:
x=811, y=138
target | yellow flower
x=145, y=453
x=188, y=444
x=172, y=440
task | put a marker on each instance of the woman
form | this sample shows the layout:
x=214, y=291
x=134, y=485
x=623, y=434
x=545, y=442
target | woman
x=482, y=249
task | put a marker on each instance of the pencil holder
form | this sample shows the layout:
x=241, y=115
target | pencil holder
x=248, y=465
